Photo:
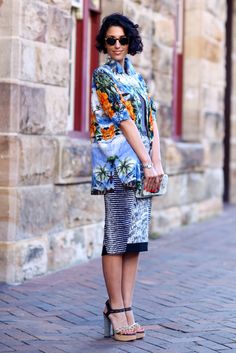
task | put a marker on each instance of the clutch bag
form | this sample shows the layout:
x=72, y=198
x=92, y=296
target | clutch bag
x=142, y=194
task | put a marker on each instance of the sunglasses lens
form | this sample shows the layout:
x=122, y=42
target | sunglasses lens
x=123, y=41
x=111, y=41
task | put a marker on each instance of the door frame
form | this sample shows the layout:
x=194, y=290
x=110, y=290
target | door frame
x=227, y=101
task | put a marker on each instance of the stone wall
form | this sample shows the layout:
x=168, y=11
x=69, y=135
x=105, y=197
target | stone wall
x=48, y=219
x=204, y=85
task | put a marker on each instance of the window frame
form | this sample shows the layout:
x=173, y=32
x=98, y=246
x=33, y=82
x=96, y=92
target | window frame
x=70, y=119
x=178, y=72
x=85, y=61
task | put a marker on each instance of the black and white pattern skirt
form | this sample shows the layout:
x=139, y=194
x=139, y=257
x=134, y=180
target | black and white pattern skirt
x=127, y=221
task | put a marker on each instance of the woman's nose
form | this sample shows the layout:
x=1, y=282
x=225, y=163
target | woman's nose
x=117, y=45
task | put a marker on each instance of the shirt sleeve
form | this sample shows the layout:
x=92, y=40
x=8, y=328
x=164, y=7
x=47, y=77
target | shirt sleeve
x=153, y=105
x=109, y=97
x=154, y=109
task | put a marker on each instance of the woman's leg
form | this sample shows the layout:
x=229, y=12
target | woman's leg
x=113, y=272
x=129, y=270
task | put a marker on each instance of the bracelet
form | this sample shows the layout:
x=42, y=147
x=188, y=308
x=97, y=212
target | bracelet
x=148, y=165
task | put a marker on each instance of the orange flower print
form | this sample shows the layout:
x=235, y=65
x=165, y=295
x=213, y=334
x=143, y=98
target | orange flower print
x=93, y=117
x=106, y=105
x=130, y=109
x=127, y=104
x=108, y=132
x=92, y=128
x=151, y=120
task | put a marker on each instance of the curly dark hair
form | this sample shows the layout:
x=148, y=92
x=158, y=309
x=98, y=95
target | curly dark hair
x=130, y=29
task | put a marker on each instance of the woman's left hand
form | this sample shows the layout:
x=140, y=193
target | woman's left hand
x=158, y=168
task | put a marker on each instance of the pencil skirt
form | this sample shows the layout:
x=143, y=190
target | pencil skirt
x=127, y=221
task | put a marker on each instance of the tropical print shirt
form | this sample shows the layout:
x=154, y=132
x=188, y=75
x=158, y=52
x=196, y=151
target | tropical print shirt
x=116, y=97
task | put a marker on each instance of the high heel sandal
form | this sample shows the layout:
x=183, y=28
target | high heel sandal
x=140, y=332
x=124, y=333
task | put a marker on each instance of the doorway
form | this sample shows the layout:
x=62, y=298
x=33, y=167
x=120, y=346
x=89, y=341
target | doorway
x=227, y=103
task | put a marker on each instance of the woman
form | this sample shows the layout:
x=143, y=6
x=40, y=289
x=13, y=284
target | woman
x=125, y=151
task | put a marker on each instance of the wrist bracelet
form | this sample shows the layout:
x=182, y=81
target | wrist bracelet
x=148, y=165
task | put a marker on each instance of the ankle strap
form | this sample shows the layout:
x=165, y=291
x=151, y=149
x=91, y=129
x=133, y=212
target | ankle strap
x=128, y=309
x=112, y=311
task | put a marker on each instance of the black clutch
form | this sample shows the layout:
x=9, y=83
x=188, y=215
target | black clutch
x=142, y=194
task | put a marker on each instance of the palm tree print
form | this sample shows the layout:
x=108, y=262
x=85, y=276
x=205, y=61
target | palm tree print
x=125, y=166
x=112, y=159
x=101, y=173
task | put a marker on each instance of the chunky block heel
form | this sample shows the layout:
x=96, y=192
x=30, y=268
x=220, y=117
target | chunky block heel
x=107, y=326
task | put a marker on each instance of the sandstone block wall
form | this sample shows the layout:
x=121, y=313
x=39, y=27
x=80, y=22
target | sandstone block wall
x=48, y=219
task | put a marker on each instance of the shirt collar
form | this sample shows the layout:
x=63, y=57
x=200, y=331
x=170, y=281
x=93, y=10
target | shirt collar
x=118, y=68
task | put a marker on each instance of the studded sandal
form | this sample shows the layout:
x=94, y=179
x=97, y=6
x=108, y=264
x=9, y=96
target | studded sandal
x=124, y=333
x=140, y=332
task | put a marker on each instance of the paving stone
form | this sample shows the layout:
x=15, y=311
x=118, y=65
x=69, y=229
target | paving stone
x=185, y=296
x=5, y=348
x=204, y=350
x=232, y=345
x=217, y=339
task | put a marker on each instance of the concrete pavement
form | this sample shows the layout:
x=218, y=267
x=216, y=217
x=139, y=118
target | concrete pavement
x=185, y=296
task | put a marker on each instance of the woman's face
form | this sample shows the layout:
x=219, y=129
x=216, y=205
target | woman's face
x=116, y=50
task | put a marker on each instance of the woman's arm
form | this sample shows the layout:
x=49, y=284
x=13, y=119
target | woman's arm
x=156, y=152
x=131, y=133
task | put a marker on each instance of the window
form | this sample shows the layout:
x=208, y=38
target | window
x=84, y=58
x=178, y=70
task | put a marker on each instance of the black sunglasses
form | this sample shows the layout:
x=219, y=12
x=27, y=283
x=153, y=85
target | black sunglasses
x=112, y=40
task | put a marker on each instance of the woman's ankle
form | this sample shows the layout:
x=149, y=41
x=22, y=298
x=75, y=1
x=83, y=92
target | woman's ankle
x=130, y=317
x=116, y=304
x=118, y=320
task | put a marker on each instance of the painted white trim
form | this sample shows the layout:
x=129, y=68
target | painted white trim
x=77, y=3
x=70, y=120
x=180, y=26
